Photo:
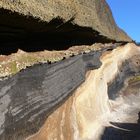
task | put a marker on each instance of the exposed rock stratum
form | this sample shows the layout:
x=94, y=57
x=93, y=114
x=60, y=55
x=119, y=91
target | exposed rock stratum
x=67, y=72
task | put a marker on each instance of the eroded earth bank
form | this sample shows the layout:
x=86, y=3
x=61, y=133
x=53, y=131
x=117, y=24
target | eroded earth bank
x=67, y=72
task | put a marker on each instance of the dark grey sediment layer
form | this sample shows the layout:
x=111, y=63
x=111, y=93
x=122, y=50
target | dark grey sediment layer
x=128, y=68
x=27, y=98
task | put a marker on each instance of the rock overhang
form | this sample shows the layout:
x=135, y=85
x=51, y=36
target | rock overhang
x=31, y=34
x=75, y=21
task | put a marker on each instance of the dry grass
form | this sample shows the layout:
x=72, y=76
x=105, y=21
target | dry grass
x=134, y=79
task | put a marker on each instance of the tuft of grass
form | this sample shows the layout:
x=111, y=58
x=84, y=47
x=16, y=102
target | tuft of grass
x=135, y=79
x=13, y=67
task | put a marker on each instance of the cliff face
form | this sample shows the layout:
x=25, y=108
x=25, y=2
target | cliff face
x=67, y=72
x=91, y=20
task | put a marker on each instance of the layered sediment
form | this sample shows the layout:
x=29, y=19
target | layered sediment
x=85, y=114
x=35, y=92
x=67, y=72
x=71, y=95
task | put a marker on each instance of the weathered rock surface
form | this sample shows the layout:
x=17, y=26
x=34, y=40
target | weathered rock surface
x=86, y=113
x=41, y=91
x=86, y=92
x=93, y=16
x=32, y=94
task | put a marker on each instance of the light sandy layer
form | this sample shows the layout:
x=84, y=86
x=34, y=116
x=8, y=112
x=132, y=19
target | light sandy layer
x=84, y=115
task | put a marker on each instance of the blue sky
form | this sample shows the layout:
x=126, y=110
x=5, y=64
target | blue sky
x=127, y=16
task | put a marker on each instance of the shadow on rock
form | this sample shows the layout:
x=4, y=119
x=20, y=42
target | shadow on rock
x=122, y=131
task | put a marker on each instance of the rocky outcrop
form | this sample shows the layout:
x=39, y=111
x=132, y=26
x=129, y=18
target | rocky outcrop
x=66, y=72
x=74, y=110
x=90, y=20
x=85, y=114
x=32, y=94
